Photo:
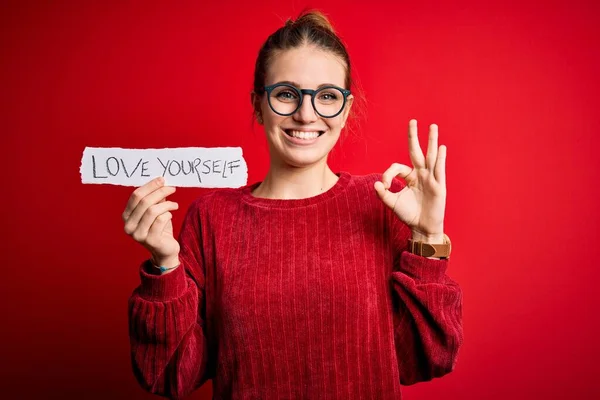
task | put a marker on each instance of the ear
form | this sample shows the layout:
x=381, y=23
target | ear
x=347, y=107
x=255, y=100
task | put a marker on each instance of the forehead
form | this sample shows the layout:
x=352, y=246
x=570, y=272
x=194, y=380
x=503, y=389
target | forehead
x=307, y=66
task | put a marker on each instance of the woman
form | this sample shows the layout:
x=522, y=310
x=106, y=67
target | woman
x=305, y=285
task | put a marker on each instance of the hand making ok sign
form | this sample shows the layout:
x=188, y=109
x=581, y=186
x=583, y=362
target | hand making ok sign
x=421, y=203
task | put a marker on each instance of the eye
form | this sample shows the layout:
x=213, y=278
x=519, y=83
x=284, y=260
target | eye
x=286, y=95
x=328, y=96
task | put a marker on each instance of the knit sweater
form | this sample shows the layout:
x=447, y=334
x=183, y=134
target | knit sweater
x=313, y=298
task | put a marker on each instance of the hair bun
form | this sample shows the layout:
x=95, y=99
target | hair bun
x=315, y=19
x=311, y=28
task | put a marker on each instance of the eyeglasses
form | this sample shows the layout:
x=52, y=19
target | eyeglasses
x=285, y=99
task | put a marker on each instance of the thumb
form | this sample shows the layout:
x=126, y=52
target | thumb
x=385, y=195
x=380, y=189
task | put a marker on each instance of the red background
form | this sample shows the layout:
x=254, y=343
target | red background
x=514, y=89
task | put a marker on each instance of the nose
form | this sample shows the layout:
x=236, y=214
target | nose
x=306, y=113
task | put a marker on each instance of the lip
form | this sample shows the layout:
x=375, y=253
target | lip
x=302, y=142
x=303, y=129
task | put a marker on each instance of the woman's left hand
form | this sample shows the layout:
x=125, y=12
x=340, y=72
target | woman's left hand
x=421, y=203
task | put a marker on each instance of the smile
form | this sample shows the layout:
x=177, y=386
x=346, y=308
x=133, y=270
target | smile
x=302, y=134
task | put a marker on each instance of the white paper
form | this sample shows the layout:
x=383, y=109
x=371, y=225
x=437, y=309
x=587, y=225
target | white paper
x=210, y=167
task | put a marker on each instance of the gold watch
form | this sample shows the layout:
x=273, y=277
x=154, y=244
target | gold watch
x=423, y=249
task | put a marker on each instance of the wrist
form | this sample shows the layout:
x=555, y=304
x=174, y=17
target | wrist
x=166, y=262
x=433, y=238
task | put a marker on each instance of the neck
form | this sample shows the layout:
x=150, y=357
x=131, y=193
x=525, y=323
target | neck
x=285, y=182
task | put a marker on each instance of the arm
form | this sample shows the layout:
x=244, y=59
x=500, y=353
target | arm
x=427, y=311
x=167, y=323
x=427, y=318
x=427, y=303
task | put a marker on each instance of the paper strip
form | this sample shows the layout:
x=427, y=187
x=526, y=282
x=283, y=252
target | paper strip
x=210, y=167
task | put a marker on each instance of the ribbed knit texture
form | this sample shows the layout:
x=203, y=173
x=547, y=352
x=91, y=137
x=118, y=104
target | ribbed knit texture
x=295, y=299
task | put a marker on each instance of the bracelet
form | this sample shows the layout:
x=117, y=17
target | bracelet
x=164, y=269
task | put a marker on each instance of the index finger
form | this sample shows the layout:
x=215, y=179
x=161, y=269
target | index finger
x=141, y=192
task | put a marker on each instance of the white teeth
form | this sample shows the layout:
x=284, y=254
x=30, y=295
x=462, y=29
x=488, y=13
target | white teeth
x=305, y=135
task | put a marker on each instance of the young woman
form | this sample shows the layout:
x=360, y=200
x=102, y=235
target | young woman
x=310, y=284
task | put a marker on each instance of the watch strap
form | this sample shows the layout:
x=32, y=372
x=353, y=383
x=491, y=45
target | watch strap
x=441, y=250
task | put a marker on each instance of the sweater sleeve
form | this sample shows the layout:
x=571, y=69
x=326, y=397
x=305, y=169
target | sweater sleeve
x=427, y=310
x=166, y=321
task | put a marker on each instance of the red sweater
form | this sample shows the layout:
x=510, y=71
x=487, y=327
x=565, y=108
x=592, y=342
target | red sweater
x=295, y=299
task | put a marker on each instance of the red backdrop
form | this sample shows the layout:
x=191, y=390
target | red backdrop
x=514, y=89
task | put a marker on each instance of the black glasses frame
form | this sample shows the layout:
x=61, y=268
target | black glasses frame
x=301, y=93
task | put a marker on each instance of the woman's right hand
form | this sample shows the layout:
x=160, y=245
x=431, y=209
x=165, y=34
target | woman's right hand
x=147, y=219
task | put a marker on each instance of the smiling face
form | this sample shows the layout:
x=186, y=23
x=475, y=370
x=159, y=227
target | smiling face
x=303, y=138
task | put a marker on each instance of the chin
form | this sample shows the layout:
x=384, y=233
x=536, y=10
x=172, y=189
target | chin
x=299, y=160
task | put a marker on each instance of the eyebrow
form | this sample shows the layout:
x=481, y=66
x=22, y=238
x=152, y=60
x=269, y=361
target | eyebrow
x=298, y=86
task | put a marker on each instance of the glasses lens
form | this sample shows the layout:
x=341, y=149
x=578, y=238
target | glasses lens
x=284, y=99
x=329, y=101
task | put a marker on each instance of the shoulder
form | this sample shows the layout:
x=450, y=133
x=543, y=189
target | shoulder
x=221, y=197
x=368, y=180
